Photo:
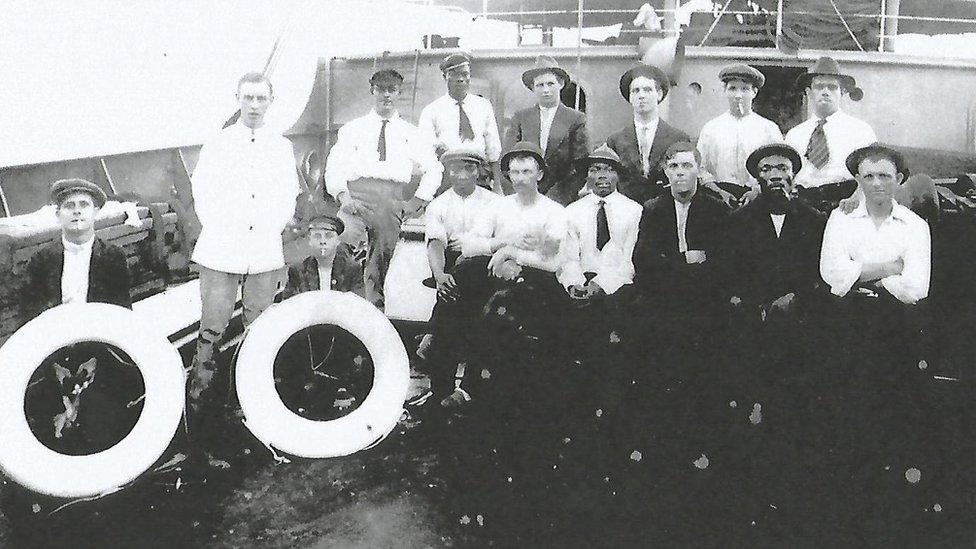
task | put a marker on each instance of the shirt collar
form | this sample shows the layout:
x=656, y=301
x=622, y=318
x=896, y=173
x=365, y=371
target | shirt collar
x=77, y=248
x=838, y=114
x=652, y=124
x=375, y=116
x=897, y=210
x=548, y=110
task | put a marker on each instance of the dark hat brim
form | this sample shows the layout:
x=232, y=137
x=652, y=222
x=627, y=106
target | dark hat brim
x=773, y=149
x=854, y=159
x=337, y=224
x=649, y=71
x=583, y=164
x=847, y=81
x=507, y=157
x=529, y=75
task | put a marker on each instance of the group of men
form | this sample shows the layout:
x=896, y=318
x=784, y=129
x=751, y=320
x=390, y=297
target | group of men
x=634, y=238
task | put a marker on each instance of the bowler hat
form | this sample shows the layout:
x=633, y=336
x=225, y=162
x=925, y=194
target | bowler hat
x=854, y=159
x=523, y=147
x=648, y=71
x=65, y=186
x=543, y=64
x=327, y=222
x=740, y=71
x=603, y=154
x=773, y=149
x=455, y=60
x=827, y=66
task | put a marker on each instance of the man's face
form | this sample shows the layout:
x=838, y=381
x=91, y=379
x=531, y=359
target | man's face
x=824, y=94
x=463, y=175
x=645, y=95
x=878, y=179
x=525, y=175
x=254, y=98
x=76, y=213
x=546, y=88
x=740, y=95
x=385, y=96
x=458, y=81
x=323, y=240
x=602, y=179
x=682, y=172
x=775, y=176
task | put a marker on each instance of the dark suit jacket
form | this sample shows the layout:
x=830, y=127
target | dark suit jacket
x=761, y=266
x=663, y=275
x=624, y=142
x=568, y=141
x=347, y=274
x=108, y=278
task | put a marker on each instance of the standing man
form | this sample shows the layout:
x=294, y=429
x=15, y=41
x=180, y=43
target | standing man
x=461, y=119
x=461, y=292
x=828, y=137
x=373, y=159
x=726, y=141
x=641, y=145
x=559, y=130
x=244, y=190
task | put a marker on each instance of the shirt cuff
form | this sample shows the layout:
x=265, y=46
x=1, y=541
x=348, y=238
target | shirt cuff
x=846, y=281
x=897, y=287
x=610, y=283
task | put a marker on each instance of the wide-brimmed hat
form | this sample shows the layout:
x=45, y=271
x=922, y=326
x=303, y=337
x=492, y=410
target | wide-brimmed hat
x=827, y=66
x=323, y=221
x=455, y=60
x=740, y=71
x=65, y=186
x=854, y=159
x=603, y=154
x=773, y=149
x=463, y=153
x=649, y=71
x=543, y=64
x=523, y=147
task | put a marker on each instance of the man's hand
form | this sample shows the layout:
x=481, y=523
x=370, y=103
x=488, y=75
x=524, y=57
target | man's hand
x=350, y=205
x=502, y=255
x=413, y=208
x=748, y=197
x=577, y=291
x=849, y=204
x=507, y=270
x=446, y=287
x=783, y=303
x=528, y=242
x=594, y=290
x=695, y=256
x=453, y=243
x=735, y=301
x=893, y=268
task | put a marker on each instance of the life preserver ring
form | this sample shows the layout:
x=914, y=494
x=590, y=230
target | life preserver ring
x=27, y=461
x=274, y=424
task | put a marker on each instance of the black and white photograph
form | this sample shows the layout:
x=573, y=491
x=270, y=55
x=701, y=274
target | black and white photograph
x=487, y=273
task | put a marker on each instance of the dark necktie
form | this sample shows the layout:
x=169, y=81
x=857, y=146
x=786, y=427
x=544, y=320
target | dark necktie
x=464, y=124
x=817, y=150
x=381, y=145
x=602, y=226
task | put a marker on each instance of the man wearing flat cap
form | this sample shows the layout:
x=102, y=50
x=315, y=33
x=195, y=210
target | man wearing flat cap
x=726, y=141
x=461, y=119
x=461, y=292
x=374, y=159
x=641, y=145
x=559, y=130
x=331, y=264
x=830, y=135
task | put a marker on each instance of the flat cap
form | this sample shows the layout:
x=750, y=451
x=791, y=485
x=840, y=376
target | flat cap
x=876, y=149
x=523, y=147
x=65, y=186
x=463, y=153
x=773, y=149
x=455, y=60
x=648, y=71
x=739, y=71
x=323, y=221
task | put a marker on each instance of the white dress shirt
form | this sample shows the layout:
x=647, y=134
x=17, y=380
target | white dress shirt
x=614, y=264
x=645, y=139
x=851, y=240
x=725, y=142
x=546, y=116
x=778, y=220
x=510, y=220
x=451, y=215
x=844, y=133
x=325, y=274
x=441, y=124
x=408, y=151
x=74, y=274
x=244, y=188
x=681, y=216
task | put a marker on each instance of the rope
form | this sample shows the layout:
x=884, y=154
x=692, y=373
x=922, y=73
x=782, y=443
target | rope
x=844, y=21
x=715, y=22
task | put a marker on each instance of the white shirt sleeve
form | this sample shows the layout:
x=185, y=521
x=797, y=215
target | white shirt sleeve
x=205, y=185
x=425, y=161
x=478, y=242
x=493, y=143
x=913, y=282
x=837, y=268
x=337, y=171
x=555, y=232
x=434, y=228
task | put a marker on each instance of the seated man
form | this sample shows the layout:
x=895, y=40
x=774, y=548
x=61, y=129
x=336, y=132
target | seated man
x=449, y=220
x=80, y=268
x=599, y=268
x=322, y=368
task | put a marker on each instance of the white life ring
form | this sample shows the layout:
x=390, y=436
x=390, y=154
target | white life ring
x=274, y=424
x=27, y=461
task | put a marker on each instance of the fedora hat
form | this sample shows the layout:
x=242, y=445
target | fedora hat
x=827, y=66
x=523, y=147
x=544, y=64
x=604, y=154
x=773, y=149
x=648, y=71
x=854, y=159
